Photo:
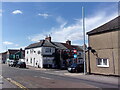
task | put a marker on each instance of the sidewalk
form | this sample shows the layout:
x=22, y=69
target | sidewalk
x=42, y=69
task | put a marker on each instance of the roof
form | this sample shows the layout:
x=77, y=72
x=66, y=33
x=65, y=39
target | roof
x=58, y=45
x=3, y=53
x=23, y=51
x=12, y=51
x=79, y=48
x=38, y=44
x=42, y=43
x=61, y=46
x=107, y=27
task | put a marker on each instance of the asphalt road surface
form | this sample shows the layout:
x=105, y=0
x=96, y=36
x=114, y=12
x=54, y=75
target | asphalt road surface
x=31, y=78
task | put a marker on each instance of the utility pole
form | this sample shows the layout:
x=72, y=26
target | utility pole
x=83, y=24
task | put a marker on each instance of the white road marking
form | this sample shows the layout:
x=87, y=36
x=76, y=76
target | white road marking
x=35, y=76
x=57, y=71
x=1, y=76
x=46, y=78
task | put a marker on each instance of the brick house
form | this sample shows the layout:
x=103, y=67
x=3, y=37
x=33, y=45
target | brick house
x=104, y=49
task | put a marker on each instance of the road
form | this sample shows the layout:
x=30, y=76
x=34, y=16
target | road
x=31, y=78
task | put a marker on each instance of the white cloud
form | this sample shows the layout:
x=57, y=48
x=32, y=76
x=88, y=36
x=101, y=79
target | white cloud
x=36, y=38
x=16, y=45
x=74, y=32
x=7, y=43
x=23, y=47
x=61, y=21
x=17, y=12
x=45, y=15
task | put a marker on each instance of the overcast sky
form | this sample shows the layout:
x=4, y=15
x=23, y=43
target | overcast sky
x=24, y=23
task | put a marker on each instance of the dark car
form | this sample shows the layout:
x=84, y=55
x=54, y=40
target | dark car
x=21, y=64
x=75, y=68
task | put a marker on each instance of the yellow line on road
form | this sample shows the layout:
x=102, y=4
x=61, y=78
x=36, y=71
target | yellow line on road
x=17, y=84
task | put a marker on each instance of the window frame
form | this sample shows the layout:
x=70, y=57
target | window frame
x=27, y=52
x=102, y=64
x=48, y=50
x=38, y=52
x=31, y=60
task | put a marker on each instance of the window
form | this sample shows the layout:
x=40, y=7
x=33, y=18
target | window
x=38, y=52
x=34, y=51
x=27, y=60
x=102, y=62
x=27, y=52
x=17, y=56
x=48, y=50
x=31, y=51
x=31, y=60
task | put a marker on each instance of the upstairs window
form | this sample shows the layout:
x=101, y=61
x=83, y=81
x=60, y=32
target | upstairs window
x=31, y=60
x=102, y=62
x=38, y=52
x=48, y=50
x=27, y=52
x=17, y=56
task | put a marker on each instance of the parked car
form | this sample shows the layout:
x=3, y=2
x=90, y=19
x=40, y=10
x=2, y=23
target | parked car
x=63, y=67
x=10, y=62
x=75, y=68
x=14, y=63
x=21, y=64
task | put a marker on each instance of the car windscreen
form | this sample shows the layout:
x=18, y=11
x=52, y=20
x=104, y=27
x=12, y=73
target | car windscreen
x=73, y=65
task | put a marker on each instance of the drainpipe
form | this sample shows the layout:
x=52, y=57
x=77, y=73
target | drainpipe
x=89, y=68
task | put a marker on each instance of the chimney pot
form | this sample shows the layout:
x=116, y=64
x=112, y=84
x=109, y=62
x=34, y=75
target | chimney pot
x=48, y=38
x=68, y=42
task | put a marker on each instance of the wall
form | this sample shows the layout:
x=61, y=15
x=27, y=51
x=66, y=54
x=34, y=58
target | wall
x=106, y=45
x=38, y=59
x=0, y=57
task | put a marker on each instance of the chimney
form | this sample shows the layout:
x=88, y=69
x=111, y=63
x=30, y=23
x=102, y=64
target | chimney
x=48, y=38
x=20, y=49
x=68, y=42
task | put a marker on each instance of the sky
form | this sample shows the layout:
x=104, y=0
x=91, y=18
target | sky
x=24, y=23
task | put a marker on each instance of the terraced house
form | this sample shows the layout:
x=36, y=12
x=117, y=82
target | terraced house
x=50, y=54
x=104, y=48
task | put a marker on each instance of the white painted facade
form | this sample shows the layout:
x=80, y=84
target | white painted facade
x=37, y=57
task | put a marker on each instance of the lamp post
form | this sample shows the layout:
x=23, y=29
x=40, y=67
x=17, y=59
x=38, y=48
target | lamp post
x=83, y=24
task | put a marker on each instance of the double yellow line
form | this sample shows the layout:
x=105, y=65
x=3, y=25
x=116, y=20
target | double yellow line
x=16, y=83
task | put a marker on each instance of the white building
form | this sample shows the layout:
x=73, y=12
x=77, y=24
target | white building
x=40, y=54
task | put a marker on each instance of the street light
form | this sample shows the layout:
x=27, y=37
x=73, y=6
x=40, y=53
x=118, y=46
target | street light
x=84, y=40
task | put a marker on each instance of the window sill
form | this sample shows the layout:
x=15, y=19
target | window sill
x=102, y=66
